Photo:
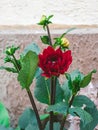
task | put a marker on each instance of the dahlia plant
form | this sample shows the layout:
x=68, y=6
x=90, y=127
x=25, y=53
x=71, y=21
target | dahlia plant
x=46, y=67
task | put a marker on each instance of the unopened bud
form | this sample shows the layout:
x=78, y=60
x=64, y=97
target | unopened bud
x=11, y=50
x=7, y=59
x=43, y=18
x=64, y=42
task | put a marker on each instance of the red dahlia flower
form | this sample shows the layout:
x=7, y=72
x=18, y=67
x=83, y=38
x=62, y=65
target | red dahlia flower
x=54, y=62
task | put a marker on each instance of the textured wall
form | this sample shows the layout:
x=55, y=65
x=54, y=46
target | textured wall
x=69, y=12
x=84, y=45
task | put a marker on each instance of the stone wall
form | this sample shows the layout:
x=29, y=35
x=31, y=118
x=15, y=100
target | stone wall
x=84, y=45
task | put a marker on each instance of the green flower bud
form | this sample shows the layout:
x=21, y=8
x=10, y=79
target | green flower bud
x=43, y=19
x=7, y=59
x=11, y=50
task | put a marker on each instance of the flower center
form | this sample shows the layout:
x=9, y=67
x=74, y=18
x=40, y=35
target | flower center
x=53, y=59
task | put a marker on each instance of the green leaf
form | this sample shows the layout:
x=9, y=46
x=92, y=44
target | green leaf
x=8, y=69
x=18, y=128
x=31, y=47
x=56, y=126
x=45, y=40
x=44, y=116
x=4, y=128
x=74, y=79
x=80, y=100
x=7, y=59
x=75, y=74
x=85, y=116
x=4, y=117
x=49, y=17
x=42, y=90
x=69, y=30
x=94, y=113
x=57, y=42
x=86, y=80
x=32, y=127
x=61, y=107
x=59, y=93
x=38, y=72
x=73, y=85
x=29, y=67
x=28, y=117
x=67, y=91
x=70, y=84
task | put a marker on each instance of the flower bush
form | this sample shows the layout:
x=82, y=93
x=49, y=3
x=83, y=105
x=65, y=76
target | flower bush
x=61, y=99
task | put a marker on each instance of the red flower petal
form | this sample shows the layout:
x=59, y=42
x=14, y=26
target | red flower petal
x=54, y=62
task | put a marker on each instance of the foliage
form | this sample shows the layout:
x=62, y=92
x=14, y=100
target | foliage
x=94, y=113
x=84, y=116
x=46, y=68
x=42, y=90
x=28, y=120
x=29, y=66
x=4, y=117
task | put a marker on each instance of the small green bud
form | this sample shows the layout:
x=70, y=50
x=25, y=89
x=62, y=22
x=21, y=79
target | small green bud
x=43, y=19
x=11, y=50
x=7, y=59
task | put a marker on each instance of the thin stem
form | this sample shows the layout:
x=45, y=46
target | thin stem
x=51, y=103
x=63, y=122
x=49, y=35
x=64, y=119
x=52, y=99
x=35, y=109
x=47, y=91
x=30, y=97
x=54, y=89
x=51, y=120
x=16, y=64
x=71, y=101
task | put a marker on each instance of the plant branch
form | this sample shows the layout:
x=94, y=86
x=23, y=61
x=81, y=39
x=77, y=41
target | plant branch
x=16, y=64
x=54, y=89
x=51, y=103
x=35, y=109
x=63, y=122
x=49, y=34
x=71, y=101
x=52, y=100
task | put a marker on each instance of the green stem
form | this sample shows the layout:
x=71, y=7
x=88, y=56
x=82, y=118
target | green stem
x=71, y=101
x=49, y=35
x=35, y=109
x=51, y=103
x=51, y=120
x=30, y=97
x=16, y=64
x=63, y=122
x=64, y=119
x=54, y=89
x=47, y=91
x=52, y=100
